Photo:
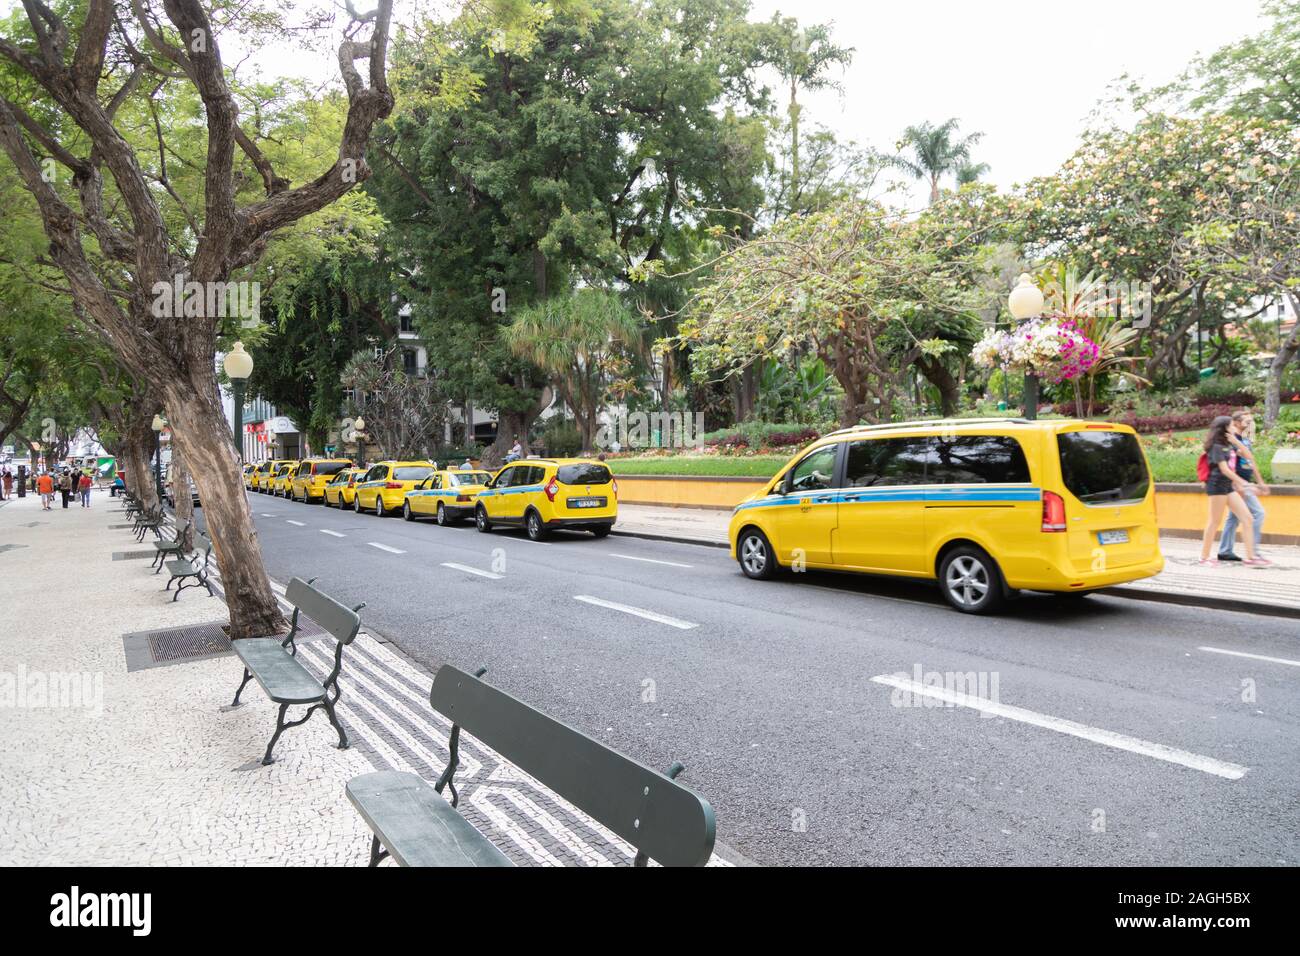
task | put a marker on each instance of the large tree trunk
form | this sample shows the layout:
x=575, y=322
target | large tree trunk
x=938, y=375
x=204, y=439
x=138, y=442
x=184, y=501
x=1285, y=356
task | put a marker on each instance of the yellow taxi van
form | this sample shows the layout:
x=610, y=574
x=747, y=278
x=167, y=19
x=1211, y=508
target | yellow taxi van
x=985, y=507
x=541, y=494
x=313, y=475
x=384, y=486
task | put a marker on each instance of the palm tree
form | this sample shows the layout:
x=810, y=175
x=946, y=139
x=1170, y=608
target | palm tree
x=969, y=172
x=935, y=152
x=576, y=340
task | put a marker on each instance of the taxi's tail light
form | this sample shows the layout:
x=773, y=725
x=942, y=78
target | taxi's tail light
x=1053, y=511
x=614, y=482
x=552, y=489
x=462, y=498
x=392, y=485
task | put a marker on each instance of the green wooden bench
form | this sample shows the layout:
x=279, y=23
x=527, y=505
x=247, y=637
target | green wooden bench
x=190, y=572
x=410, y=820
x=171, y=549
x=273, y=660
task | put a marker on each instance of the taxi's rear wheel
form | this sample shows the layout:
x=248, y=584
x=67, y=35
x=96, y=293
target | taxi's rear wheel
x=537, y=531
x=406, y=511
x=970, y=580
x=481, y=520
x=380, y=512
x=601, y=530
x=442, y=515
x=754, y=552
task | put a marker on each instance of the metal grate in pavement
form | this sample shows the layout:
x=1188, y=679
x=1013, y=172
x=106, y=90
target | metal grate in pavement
x=132, y=555
x=182, y=645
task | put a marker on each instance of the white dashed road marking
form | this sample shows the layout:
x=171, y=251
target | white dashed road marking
x=468, y=570
x=1253, y=657
x=637, y=611
x=300, y=524
x=384, y=547
x=332, y=534
x=1219, y=768
x=630, y=557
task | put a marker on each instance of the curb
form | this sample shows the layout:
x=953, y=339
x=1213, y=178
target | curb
x=675, y=538
x=1131, y=593
x=1200, y=600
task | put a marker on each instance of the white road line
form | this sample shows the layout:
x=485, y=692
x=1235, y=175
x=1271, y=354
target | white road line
x=1254, y=657
x=630, y=557
x=384, y=547
x=265, y=515
x=1109, y=738
x=300, y=524
x=468, y=570
x=637, y=611
x=332, y=534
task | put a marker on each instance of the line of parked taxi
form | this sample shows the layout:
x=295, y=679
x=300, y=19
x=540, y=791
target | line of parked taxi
x=536, y=494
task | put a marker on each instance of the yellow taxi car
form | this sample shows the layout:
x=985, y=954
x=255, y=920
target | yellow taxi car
x=987, y=507
x=342, y=488
x=448, y=495
x=384, y=486
x=246, y=473
x=312, y=475
x=541, y=494
x=279, y=482
x=266, y=472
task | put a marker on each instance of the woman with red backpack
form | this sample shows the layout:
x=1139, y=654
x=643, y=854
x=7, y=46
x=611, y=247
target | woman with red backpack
x=1218, y=469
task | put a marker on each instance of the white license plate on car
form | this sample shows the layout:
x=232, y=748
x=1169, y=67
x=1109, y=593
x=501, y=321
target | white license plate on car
x=1119, y=536
x=586, y=502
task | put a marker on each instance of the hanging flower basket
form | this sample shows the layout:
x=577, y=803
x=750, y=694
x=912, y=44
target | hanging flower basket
x=1049, y=348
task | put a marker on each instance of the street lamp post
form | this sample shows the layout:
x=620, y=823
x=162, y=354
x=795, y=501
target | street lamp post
x=359, y=434
x=238, y=365
x=1026, y=302
x=158, y=426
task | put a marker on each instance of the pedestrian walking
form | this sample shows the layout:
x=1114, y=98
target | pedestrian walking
x=1244, y=444
x=1225, y=489
x=8, y=483
x=65, y=487
x=45, y=487
x=84, y=486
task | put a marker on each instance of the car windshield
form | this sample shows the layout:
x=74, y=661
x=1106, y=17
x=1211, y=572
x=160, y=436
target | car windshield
x=583, y=473
x=411, y=473
x=470, y=478
x=1103, y=466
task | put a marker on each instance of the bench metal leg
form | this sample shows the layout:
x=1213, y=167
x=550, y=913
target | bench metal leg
x=329, y=712
x=377, y=852
x=169, y=583
x=279, y=729
x=242, y=685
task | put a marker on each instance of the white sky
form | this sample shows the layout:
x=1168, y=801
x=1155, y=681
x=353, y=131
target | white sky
x=1025, y=73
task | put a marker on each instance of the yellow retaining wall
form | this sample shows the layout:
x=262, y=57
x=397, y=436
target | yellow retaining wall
x=1181, y=508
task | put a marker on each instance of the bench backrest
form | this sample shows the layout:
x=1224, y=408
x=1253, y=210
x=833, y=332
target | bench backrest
x=340, y=621
x=658, y=816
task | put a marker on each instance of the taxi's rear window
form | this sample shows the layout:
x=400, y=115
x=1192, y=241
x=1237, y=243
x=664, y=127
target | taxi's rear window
x=584, y=473
x=329, y=467
x=411, y=473
x=1103, y=466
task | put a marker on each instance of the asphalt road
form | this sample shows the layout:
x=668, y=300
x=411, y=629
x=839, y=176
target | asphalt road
x=1118, y=740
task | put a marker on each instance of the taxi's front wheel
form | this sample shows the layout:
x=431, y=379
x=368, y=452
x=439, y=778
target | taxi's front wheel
x=970, y=580
x=406, y=511
x=481, y=520
x=754, y=552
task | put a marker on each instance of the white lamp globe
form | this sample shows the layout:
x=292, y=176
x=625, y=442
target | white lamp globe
x=238, y=363
x=1026, y=299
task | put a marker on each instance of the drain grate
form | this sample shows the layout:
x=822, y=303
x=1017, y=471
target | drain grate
x=132, y=555
x=195, y=642
x=186, y=642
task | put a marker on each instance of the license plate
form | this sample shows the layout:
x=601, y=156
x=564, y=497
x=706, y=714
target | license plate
x=586, y=502
x=1113, y=537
